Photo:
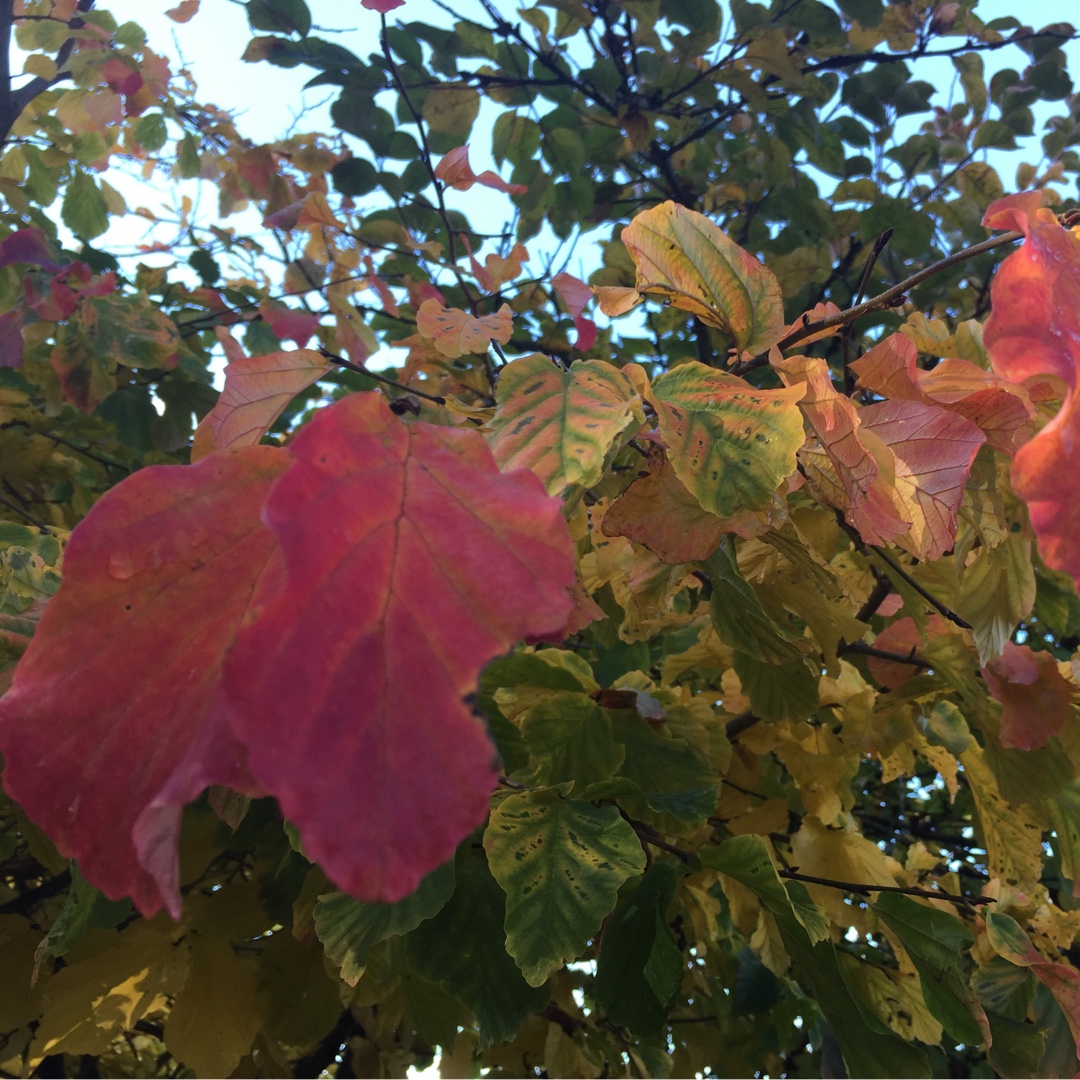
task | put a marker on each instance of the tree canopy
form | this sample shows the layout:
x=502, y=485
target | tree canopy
x=616, y=613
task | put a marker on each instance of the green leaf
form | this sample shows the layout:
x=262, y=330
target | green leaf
x=84, y=909
x=279, y=16
x=462, y=949
x=673, y=776
x=560, y=863
x=640, y=967
x=737, y=615
x=349, y=929
x=83, y=210
x=936, y=941
x=1064, y=810
x=730, y=443
x=570, y=738
x=777, y=691
x=747, y=859
x=564, y=425
x=151, y=132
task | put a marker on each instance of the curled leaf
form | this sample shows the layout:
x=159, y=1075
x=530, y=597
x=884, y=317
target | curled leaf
x=455, y=172
x=456, y=332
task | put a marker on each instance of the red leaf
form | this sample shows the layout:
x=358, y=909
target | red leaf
x=290, y=324
x=29, y=245
x=382, y=5
x=119, y=680
x=903, y=638
x=11, y=339
x=836, y=422
x=412, y=561
x=183, y=11
x=455, y=171
x=1035, y=697
x=1034, y=330
x=257, y=389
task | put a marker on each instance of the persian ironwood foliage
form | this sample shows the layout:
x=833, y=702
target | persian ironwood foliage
x=668, y=666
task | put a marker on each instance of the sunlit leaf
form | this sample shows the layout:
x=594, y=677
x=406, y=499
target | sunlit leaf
x=687, y=261
x=456, y=332
x=564, y=425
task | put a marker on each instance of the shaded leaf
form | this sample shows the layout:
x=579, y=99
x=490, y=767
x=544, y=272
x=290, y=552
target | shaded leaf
x=1035, y=697
x=349, y=929
x=462, y=949
x=561, y=863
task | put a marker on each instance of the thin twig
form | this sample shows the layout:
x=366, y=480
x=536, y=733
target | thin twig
x=863, y=649
x=360, y=369
x=889, y=298
x=738, y=724
x=928, y=596
x=903, y=890
x=36, y=522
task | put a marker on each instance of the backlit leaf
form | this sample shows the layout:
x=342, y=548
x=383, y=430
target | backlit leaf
x=455, y=172
x=687, y=261
x=412, y=561
x=563, y=425
x=257, y=390
x=173, y=546
x=730, y=444
x=560, y=862
x=456, y=332
x=933, y=451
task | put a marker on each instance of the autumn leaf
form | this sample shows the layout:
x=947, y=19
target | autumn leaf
x=575, y=294
x=185, y=11
x=685, y=260
x=412, y=561
x=455, y=172
x=563, y=425
x=658, y=512
x=1034, y=695
x=257, y=390
x=1002, y=409
x=456, y=332
x=1041, y=278
x=121, y=676
x=867, y=502
x=729, y=443
x=933, y=450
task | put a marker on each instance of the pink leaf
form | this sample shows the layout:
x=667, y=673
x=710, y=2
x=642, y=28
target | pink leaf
x=575, y=294
x=455, y=172
x=412, y=561
x=290, y=324
x=1035, y=697
x=382, y=5
x=120, y=678
x=257, y=390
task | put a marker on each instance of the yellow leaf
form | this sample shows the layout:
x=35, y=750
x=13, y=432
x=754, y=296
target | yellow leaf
x=685, y=260
x=216, y=1016
x=450, y=109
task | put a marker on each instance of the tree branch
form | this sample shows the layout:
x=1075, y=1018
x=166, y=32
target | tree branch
x=904, y=890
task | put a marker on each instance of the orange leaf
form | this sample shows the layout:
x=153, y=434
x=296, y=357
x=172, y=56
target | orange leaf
x=1035, y=697
x=257, y=389
x=1002, y=409
x=456, y=332
x=455, y=172
x=183, y=11
x=933, y=450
